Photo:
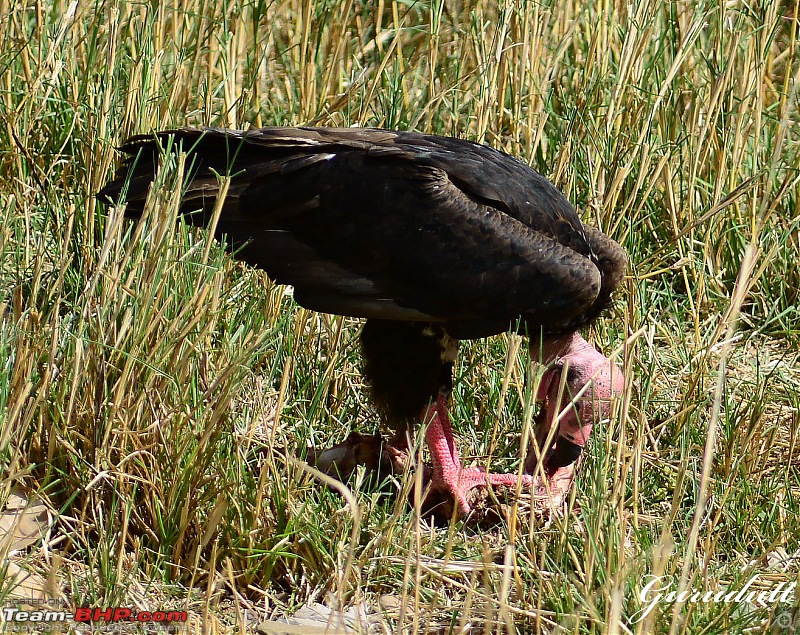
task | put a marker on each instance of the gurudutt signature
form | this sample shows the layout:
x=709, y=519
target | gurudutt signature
x=664, y=589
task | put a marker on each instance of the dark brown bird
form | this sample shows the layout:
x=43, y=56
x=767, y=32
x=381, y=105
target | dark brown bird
x=432, y=239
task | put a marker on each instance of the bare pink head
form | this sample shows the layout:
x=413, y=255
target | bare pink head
x=577, y=366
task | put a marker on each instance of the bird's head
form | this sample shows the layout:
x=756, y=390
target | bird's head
x=576, y=392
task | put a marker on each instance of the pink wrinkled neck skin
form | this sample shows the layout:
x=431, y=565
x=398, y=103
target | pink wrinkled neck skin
x=582, y=364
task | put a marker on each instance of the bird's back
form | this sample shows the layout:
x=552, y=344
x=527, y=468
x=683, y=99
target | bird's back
x=392, y=225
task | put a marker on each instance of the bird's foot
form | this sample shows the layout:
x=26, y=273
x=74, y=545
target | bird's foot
x=459, y=484
x=469, y=491
x=451, y=483
x=357, y=449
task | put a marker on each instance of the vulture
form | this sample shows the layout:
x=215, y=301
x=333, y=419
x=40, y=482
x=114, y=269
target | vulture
x=431, y=239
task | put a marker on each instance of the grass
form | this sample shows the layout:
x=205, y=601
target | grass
x=155, y=393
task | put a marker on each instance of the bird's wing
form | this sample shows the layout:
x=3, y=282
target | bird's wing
x=379, y=224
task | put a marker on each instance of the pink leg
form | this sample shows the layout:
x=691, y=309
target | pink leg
x=448, y=474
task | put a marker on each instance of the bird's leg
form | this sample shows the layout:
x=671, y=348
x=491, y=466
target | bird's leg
x=577, y=365
x=440, y=439
x=448, y=474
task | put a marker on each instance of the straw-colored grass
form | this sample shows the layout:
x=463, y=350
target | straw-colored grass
x=155, y=394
